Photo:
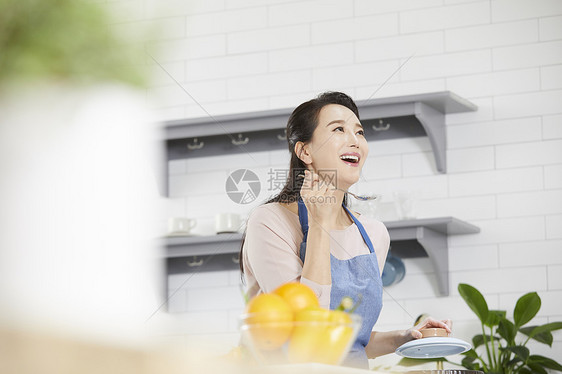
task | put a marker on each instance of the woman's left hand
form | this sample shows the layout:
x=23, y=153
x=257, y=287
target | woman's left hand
x=414, y=332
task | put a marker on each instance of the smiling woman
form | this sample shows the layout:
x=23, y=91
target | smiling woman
x=308, y=234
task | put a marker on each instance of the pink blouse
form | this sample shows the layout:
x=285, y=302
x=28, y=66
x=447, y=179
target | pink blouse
x=273, y=237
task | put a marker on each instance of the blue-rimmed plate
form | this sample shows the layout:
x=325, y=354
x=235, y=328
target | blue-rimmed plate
x=434, y=347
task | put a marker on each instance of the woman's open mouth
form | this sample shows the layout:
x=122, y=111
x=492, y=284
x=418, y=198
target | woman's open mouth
x=351, y=159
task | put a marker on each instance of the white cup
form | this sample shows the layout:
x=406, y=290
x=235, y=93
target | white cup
x=180, y=225
x=405, y=203
x=227, y=222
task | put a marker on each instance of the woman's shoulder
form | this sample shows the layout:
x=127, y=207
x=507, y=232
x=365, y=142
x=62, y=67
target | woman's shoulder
x=274, y=219
x=372, y=225
x=271, y=213
x=267, y=210
x=378, y=233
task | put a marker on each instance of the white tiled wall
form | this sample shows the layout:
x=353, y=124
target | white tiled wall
x=504, y=161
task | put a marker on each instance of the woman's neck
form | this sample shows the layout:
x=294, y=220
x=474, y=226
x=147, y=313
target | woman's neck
x=343, y=219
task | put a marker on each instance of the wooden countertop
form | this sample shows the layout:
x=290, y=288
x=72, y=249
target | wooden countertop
x=31, y=352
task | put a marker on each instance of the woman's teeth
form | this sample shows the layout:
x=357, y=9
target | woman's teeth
x=349, y=158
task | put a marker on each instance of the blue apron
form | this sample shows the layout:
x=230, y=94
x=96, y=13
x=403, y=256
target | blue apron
x=355, y=277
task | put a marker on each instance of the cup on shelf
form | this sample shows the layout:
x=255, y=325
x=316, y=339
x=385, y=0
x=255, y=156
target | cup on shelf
x=227, y=223
x=181, y=225
x=405, y=203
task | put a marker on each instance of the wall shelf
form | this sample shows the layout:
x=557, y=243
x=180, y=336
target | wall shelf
x=428, y=237
x=383, y=119
x=409, y=238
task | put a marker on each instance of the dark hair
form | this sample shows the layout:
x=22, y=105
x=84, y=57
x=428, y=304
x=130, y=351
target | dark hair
x=300, y=127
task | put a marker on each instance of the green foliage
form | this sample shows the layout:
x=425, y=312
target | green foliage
x=71, y=40
x=526, y=308
x=475, y=301
x=501, y=350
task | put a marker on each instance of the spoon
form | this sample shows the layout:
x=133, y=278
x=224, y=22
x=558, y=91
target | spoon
x=358, y=197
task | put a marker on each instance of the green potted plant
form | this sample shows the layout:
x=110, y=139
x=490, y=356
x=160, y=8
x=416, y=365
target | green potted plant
x=502, y=345
x=70, y=41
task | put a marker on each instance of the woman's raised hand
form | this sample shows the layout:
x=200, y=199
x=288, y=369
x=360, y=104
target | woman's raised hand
x=320, y=199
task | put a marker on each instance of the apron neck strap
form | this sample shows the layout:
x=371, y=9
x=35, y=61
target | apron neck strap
x=303, y=219
x=364, y=234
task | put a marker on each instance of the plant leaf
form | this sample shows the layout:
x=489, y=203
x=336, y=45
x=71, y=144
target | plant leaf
x=545, y=362
x=536, y=368
x=507, y=330
x=471, y=353
x=474, y=300
x=494, y=317
x=478, y=340
x=526, y=308
x=525, y=371
x=468, y=362
x=542, y=337
x=512, y=362
x=520, y=351
x=546, y=327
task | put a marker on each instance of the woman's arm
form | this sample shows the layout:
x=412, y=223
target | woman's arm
x=270, y=254
x=382, y=343
x=323, y=208
x=316, y=265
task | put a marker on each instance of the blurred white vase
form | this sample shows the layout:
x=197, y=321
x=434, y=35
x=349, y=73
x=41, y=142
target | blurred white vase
x=78, y=196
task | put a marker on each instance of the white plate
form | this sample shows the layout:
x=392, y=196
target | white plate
x=434, y=347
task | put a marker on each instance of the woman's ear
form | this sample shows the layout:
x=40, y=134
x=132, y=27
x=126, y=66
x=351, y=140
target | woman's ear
x=303, y=153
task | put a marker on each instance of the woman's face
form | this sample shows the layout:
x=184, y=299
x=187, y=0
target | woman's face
x=338, y=145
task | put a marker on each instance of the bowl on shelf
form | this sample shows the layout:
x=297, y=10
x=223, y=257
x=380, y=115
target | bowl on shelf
x=321, y=336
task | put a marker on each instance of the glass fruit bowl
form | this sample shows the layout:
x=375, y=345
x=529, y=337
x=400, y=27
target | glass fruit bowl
x=310, y=336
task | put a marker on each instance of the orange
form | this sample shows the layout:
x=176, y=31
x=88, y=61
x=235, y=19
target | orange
x=307, y=334
x=320, y=335
x=298, y=295
x=338, y=335
x=269, y=320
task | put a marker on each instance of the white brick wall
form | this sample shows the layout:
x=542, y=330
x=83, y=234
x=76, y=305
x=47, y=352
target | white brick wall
x=496, y=83
x=550, y=28
x=352, y=29
x=269, y=39
x=493, y=35
x=309, y=11
x=445, y=17
x=311, y=57
x=226, y=67
x=507, y=10
x=401, y=46
x=546, y=152
x=445, y=65
x=504, y=161
x=192, y=47
x=527, y=55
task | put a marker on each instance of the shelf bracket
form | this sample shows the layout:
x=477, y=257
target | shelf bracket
x=435, y=245
x=433, y=121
